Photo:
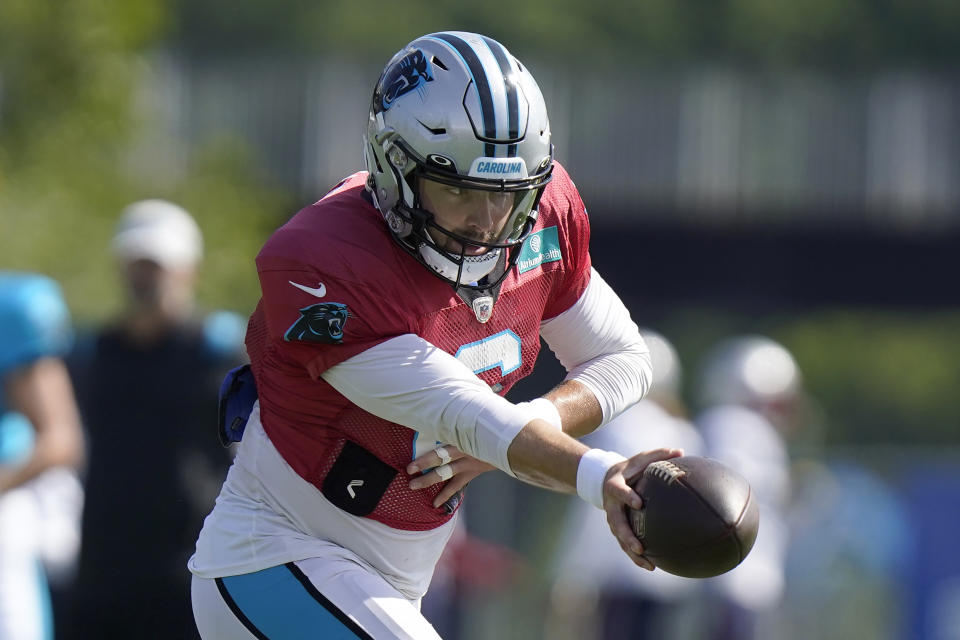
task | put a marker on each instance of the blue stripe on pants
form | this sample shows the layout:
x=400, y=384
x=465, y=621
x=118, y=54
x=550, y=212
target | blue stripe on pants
x=280, y=603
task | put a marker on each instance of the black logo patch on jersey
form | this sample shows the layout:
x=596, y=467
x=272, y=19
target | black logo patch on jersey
x=322, y=322
x=407, y=74
x=357, y=480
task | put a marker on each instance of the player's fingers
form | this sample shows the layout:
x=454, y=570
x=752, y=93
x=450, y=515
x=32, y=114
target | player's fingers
x=440, y=473
x=440, y=455
x=619, y=485
x=644, y=563
x=451, y=488
x=628, y=541
x=616, y=491
x=622, y=531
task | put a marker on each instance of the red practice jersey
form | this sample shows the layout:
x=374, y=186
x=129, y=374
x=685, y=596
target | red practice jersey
x=335, y=283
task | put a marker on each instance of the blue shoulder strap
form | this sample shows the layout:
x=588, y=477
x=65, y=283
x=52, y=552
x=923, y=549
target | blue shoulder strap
x=238, y=392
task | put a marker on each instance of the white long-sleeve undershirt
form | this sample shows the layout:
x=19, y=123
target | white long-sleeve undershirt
x=600, y=346
x=409, y=381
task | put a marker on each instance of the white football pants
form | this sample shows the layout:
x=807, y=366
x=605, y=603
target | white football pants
x=332, y=598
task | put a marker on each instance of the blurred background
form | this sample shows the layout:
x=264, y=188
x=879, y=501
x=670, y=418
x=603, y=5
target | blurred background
x=750, y=167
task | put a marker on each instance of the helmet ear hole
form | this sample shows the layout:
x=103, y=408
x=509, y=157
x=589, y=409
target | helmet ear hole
x=397, y=224
x=398, y=159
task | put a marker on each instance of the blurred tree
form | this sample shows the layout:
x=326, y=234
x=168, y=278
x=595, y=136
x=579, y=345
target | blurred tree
x=235, y=217
x=882, y=376
x=69, y=74
x=216, y=26
x=827, y=34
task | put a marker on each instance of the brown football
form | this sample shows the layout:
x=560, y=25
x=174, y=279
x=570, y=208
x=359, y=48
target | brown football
x=699, y=517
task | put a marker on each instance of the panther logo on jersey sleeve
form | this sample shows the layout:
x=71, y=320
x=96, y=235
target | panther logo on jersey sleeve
x=322, y=322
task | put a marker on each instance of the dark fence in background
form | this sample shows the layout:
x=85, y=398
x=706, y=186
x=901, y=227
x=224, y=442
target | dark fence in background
x=779, y=267
x=704, y=185
x=705, y=145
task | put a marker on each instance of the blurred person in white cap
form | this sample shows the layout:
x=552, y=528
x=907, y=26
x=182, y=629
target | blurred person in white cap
x=596, y=594
x=147, y=384
x=750, y=391
x=159, y=246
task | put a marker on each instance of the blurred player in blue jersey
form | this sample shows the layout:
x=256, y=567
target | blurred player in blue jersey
x=41, y=442
x=395, y=314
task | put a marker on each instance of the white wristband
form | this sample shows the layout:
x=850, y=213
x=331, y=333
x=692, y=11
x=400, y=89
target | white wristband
x=592, y=471
x=543, y=409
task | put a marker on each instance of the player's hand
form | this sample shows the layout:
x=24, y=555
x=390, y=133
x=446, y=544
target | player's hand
x=447, y=464
x=617, y=495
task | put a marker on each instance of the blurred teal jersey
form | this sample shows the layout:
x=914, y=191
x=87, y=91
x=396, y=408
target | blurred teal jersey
x=39, y=520
x=34, y=322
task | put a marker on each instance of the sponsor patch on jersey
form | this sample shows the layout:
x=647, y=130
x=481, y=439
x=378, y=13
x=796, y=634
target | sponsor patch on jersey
x=322, y=322
x=539, y=248
x=506, y=168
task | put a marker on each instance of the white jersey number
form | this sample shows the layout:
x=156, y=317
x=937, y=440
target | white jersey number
x=499, y=350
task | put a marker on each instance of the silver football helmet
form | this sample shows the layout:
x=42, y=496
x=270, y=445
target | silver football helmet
x=458, y=109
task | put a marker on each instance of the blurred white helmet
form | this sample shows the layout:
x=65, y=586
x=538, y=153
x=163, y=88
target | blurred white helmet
x=457, y=108
x=753, y=371
x=666, y=365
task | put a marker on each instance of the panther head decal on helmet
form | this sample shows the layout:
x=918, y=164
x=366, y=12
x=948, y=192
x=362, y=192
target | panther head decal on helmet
x=457, y=109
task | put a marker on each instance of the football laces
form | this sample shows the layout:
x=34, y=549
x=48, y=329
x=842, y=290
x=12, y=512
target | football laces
x=666, y=471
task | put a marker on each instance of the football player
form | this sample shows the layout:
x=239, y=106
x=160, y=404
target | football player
x=395, y=314
x=751, y=391
x=41, y=443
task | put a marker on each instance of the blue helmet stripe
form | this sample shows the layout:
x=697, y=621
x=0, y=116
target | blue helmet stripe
x=513, y=107
x=469, y=56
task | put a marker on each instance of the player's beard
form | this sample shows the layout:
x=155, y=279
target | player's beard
x=473, y=247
